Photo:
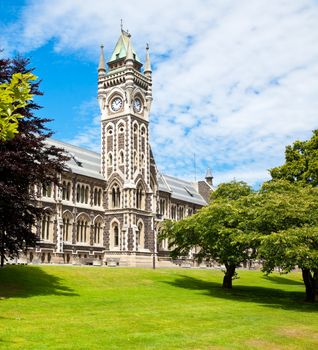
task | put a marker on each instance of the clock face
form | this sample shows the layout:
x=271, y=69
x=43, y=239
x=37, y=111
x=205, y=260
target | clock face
x=116, y=104
x=137, y=105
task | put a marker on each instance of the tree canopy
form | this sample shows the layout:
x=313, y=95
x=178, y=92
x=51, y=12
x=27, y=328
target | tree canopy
x=218, y=231
x=301, y=162
x=14, y=95
x=26, y=160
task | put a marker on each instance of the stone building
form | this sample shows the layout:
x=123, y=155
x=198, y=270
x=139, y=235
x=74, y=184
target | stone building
x=110, y=207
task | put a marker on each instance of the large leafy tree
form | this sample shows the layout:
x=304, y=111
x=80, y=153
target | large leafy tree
x=218, y=231
x=286, y=216
x=25, y=160
x=301, y=162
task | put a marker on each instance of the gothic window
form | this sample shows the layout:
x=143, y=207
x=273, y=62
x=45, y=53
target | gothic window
x=110, y=159
x=115, y=196
x=162, y=206
x=140, y=236
x=67, y=227
x=82, y=194
x=66, y=190
x=109, y=130
x=140, y=198
x=173, y=212
x=47, y=227
x=97, y=197
x=47, y=190
x=143, y=131
x=121, y=158
x=181, y=213
x=86, y=194
x=135, y=128
x=82, y=230
x=78, y=193
x=114, y=236
x=98, y=232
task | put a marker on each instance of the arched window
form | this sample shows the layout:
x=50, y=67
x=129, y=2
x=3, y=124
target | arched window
x=67, y=227
x=66, y=190
x=110, y=130
x=82, y=229
x=82, y=194
x=98, y=232
x=116, y=236
x=47, y=227
x=95, y=196
x=121, y=157
x=47, y=190
x=140, y=236
x=78, y=193
x=86, y=194
x=115, y=195
x=140, y=197
x=99, y=198
x=110, y=159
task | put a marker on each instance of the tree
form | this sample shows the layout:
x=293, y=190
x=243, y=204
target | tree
x=301, y=162
x=286, y=215
x=25, y=160
x=14, y=95
x=219, y=230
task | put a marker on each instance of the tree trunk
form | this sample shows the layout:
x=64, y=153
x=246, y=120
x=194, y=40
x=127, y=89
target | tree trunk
x=227, y=279
x=310, y=281
x=1, y=249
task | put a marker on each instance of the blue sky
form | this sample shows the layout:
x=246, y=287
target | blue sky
x=234, y=81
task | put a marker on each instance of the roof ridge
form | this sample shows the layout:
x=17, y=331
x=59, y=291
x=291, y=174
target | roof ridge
x=75, y=146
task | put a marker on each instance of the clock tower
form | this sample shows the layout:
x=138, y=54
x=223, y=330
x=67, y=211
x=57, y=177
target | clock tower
x=125, y=96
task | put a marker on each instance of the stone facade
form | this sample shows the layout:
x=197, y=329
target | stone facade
x=111, y=206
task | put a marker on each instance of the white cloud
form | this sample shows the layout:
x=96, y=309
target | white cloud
x=235, y=81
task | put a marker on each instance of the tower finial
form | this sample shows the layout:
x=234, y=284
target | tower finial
x=147, y=69
x=101, y=65
x=121, y=24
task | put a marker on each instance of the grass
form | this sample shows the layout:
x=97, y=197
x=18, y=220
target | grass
x=59, y=307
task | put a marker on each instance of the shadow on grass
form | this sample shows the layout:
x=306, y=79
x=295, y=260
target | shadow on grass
x=283, y=280
x=28, y=281
x=269, y=297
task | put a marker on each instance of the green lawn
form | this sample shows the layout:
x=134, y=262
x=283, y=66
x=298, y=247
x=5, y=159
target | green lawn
x=59, y=307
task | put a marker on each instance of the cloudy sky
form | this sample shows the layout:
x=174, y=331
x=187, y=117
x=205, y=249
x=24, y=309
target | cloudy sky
x=234, y=81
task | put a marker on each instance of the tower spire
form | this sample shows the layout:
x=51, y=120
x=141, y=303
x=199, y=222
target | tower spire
x=130, y=54
x=101, y=65
x=147, y=69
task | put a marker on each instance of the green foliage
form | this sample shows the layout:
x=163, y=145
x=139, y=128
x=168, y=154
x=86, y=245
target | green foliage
x=301, y=162
x=14, y=96
x=231, y=190
x=219, y=231
x=290, y=248
x=287, y=216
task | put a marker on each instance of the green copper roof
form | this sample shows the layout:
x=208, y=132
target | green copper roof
x=120, y=50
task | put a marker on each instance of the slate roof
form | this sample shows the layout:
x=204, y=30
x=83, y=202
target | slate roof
x=83, y=161
x=182, y=190
x=87, y=163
